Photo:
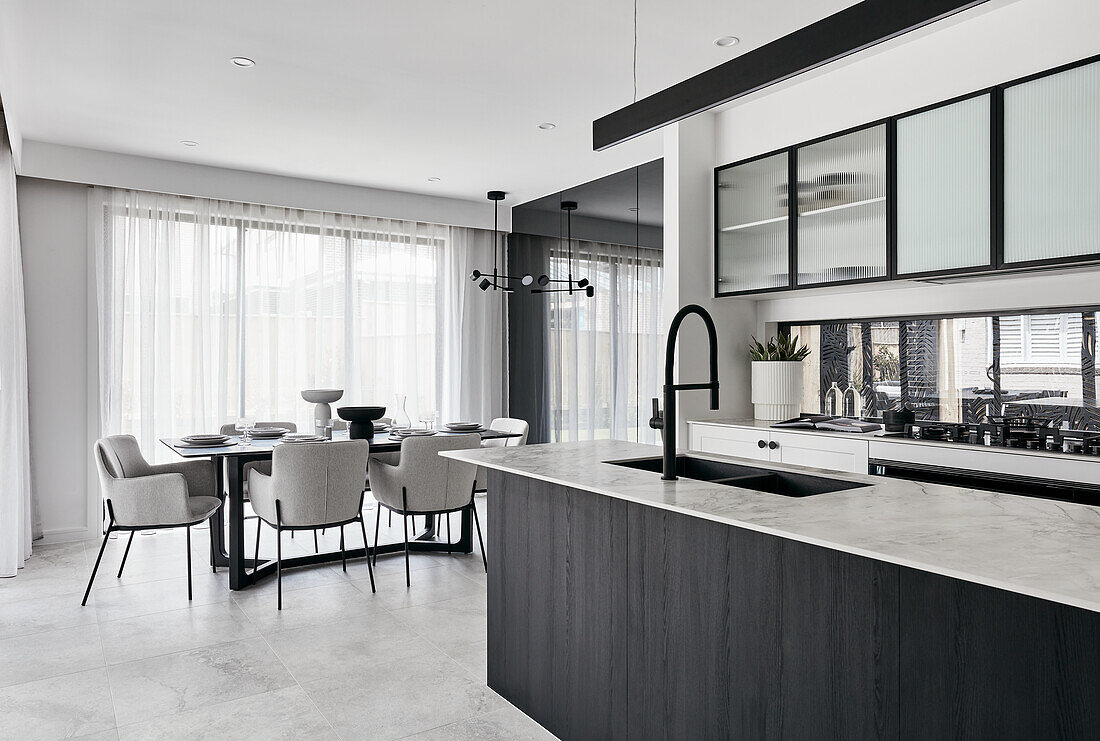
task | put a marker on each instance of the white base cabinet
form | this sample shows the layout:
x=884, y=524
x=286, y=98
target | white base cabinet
x=798, y=449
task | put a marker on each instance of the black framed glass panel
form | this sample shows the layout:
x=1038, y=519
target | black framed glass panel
x=753, y=230
x=944, y=189
x=842, y=208
x=1052, y=166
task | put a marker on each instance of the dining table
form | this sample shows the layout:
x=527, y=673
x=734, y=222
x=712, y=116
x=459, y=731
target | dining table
x=230, y=461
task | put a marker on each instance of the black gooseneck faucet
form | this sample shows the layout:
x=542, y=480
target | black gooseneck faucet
x=667, y=422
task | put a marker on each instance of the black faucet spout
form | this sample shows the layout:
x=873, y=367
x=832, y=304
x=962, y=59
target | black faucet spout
x=668, y=421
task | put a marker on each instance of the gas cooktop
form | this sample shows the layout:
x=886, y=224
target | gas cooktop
x=1025, y=433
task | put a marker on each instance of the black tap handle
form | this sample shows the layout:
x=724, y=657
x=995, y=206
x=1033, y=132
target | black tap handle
x=657, y=421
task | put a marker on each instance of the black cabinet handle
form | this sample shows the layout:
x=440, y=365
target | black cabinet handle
x=773, y=445
x=761, y=444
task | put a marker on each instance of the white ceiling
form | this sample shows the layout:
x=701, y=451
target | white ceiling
x=382, y=94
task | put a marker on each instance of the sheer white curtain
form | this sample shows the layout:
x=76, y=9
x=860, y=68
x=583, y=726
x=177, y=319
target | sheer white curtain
x=15, y=476
x=210, y=310
x=605, y=351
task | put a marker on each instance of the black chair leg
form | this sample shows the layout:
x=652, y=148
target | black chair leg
x=377, y=520
x=256, y=554
x=343, y=553
x=405, y=522
x=279, y=563
x=213, y=566
x=316, y=548
x=189, y=594
x=389, y=523
x=448, y=516
x=125, y=553
x=366, y=548
x=480, y=542
x=95, y=568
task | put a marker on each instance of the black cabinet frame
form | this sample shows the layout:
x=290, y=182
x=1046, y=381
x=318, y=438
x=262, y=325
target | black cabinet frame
x=996, y=179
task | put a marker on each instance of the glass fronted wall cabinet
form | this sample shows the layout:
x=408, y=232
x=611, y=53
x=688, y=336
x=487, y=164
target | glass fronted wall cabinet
x=944, y=188
x=842, y=208
x=753, y=227
x=1003, y=178
x=1052, y=167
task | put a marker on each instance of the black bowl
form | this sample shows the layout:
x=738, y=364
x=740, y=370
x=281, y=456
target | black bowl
x=361, y=420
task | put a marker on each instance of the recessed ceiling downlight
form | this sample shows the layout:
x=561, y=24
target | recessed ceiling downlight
x=547, y=126
x=189, y=143
x=242, y=62
x=433, y=179
x=726, y=41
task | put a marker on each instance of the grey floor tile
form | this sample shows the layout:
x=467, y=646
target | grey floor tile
x=42, y=655
x=175, y=683
x=448, y=624
x=280, y=714
x=346, y=648
x=428, y=585
x=60, y=707
x=146, y=598
x=24, y=617
x=392, y=700
x=506, y=724
x=161, y=633
x=301, y=607
x=472, y=657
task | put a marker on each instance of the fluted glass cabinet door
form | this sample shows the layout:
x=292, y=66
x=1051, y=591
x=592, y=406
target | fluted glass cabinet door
x=1052, y=166
x=944, y=188
x=842, y=208
x=753, y=238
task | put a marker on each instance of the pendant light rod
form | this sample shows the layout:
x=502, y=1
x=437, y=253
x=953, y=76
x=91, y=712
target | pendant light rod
x=498, y=281
x=572, y=286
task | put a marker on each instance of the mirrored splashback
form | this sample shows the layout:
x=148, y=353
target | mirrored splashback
x=959, y=368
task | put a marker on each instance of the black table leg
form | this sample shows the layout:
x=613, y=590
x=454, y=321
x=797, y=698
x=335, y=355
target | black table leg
x=239, y=578
x=219, y=557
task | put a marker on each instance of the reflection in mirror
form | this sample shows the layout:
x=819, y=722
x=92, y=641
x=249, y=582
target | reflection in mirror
x=585, y=366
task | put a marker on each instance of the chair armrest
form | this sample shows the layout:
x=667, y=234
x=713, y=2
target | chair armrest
x=385, y=483
x=200, y=476
x=261, y=491
x=159, y=499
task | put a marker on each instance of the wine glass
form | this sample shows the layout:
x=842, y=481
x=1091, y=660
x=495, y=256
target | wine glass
x=244, y=427
x=428, y=420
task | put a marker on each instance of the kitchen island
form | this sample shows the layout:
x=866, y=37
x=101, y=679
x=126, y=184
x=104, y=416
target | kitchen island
x=624, y=606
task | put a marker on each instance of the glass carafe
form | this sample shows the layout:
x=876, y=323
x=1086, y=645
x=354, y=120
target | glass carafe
x=401, y=419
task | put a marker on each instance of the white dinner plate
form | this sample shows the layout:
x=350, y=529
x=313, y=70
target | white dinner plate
x=222, y=444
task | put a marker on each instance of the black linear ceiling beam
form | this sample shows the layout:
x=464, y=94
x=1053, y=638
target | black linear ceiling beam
x=847, y=32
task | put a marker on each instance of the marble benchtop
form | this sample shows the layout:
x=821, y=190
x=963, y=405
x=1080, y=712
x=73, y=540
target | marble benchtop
x=1037, y=547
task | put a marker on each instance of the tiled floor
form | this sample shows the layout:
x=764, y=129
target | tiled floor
x=140, y=662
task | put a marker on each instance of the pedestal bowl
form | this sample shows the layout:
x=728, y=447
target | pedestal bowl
x=361, y=420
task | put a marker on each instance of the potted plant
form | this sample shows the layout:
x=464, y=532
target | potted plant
x=777, y=377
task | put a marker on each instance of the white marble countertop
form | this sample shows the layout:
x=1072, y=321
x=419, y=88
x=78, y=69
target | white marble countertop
x=1038, y=547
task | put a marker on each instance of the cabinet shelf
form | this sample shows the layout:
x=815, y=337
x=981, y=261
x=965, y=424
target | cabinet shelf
x=842, y=206
x=754, y=224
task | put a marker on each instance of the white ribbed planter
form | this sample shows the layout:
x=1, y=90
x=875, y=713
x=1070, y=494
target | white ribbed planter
x=776, y=389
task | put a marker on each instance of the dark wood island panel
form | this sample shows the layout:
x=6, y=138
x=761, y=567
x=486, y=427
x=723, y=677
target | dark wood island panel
x=610, y=619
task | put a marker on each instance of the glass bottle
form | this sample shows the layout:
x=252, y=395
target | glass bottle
x=834, y=400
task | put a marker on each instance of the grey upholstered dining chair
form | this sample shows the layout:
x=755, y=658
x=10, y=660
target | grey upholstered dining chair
x=503, y=424
x=312, y=485
x=425, y=483
x=140, y=496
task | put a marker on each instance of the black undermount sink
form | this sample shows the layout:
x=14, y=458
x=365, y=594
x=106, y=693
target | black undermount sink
x=745, y=477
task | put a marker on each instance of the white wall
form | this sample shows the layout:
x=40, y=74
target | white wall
x=77, y=165
x=688, y=276
x=53, y=228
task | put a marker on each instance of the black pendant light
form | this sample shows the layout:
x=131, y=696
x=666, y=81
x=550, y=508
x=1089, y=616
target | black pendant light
x=497, y=280
x=571, y=286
